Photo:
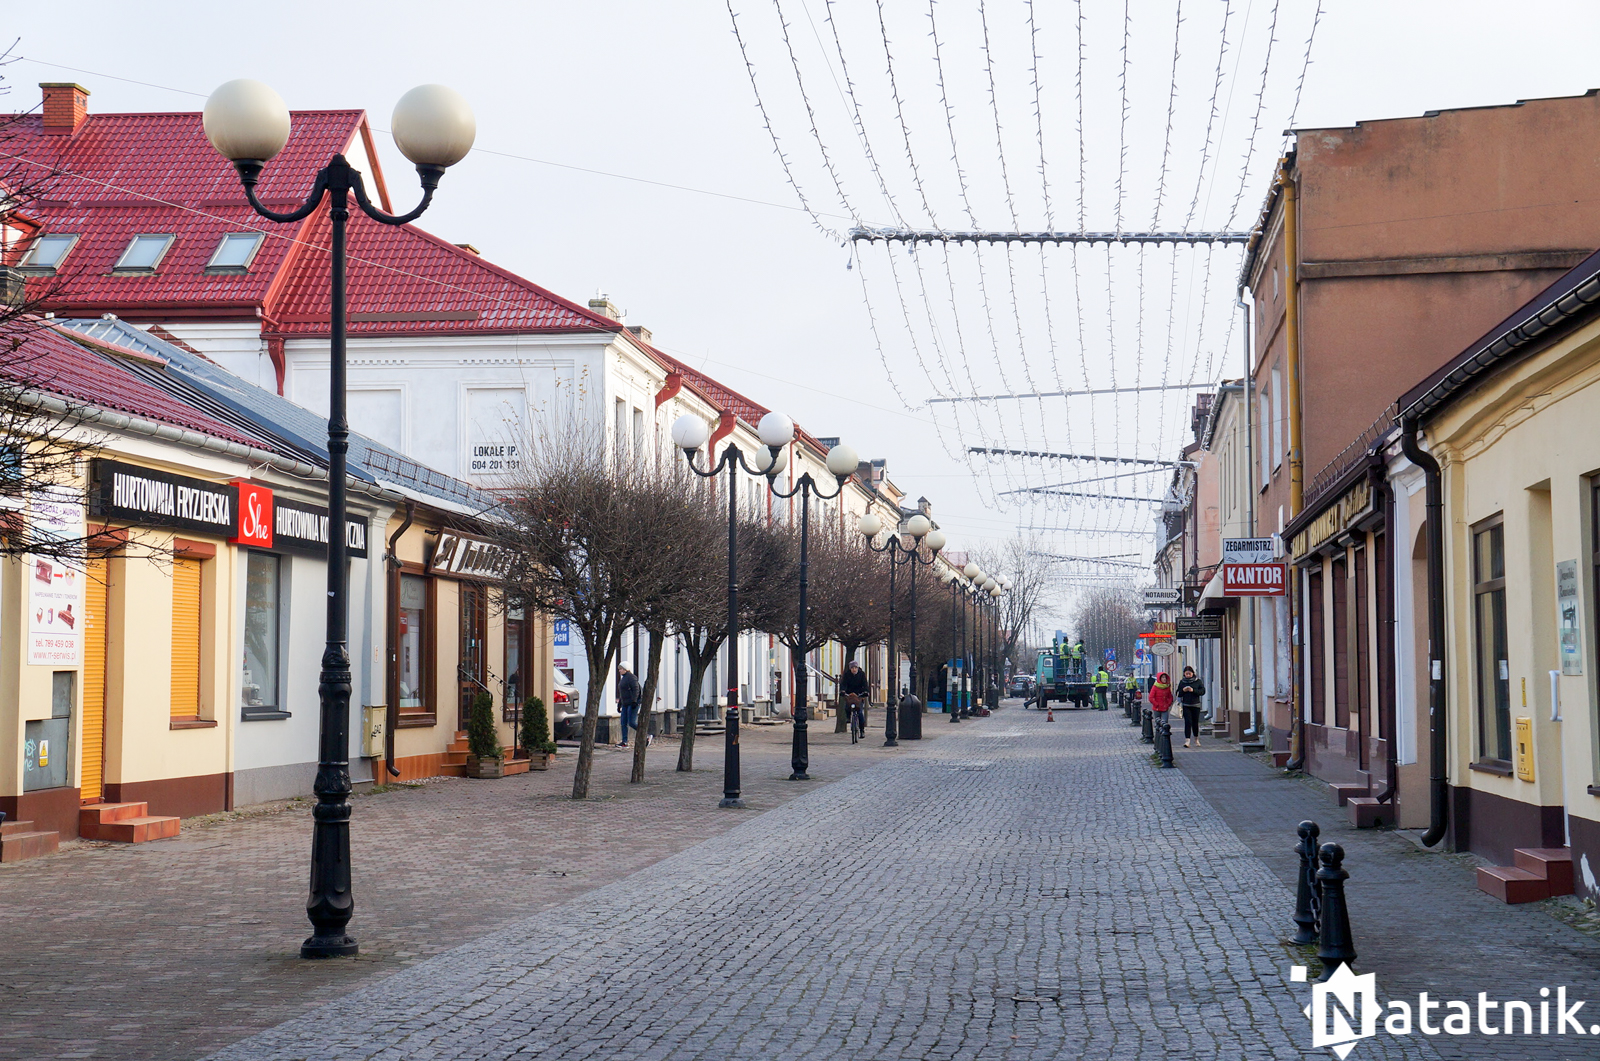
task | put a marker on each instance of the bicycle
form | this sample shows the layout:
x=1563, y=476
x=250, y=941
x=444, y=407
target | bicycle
x=858, y=717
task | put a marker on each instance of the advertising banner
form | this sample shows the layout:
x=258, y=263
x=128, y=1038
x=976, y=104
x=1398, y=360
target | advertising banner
x=55, y=587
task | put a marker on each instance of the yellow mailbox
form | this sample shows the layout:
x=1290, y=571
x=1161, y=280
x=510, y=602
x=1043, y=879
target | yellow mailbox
x=1525, y=749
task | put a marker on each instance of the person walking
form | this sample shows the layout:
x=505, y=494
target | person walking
x=627, y=701
x=1102, y=688
x=1190, y=690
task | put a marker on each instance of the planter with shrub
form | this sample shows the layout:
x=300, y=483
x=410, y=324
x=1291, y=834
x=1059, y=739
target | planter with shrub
x=536, y=742
x=485, y=757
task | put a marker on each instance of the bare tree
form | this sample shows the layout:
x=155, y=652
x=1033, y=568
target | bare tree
x=1023, y=605
x=860, y=608
x=581, y=527
x=1109, y=617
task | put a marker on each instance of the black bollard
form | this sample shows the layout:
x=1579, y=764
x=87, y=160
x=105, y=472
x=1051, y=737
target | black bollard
x=1147, y=731
x=1305, y=900
x=1337, y=947
x=1164, y=738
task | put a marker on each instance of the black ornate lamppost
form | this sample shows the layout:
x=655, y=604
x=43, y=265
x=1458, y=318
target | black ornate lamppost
x=842, y=463
x=952, y=692
x=922, y=531
x=689, y=433
x=248, y=123
x=975, y=577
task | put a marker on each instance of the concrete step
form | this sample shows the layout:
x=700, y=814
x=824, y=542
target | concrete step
x=1554, y=864
x=1512, y=885
x=1344, y=791
x=99, y=816
x=140, y=830
x=20, y=840
x=1366, y=812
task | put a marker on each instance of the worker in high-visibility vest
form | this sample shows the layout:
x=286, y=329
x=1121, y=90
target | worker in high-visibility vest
x=1102, y=687
x=1079, y=658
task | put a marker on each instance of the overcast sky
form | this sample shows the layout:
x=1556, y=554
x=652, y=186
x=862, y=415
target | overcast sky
x=749, y=287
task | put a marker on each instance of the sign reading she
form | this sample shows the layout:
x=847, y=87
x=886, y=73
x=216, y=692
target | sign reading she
x=458, y=556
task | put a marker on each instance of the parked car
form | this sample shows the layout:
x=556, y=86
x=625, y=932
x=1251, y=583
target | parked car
x=1020, y=685
x=566, y=710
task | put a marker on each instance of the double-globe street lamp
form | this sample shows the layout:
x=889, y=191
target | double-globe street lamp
x=248, y=123
x=776, y=431
x=922, y=533
x=985, y=589
x=958, y=664
x=842, y=463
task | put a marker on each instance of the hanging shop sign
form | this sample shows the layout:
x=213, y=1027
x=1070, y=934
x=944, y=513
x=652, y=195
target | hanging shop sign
x=1163, y=597
x=133, y=494
x=1253, y=580
x=458, y=556
x=301, y=528
x=1199, y=626
x=255, y=515
x=1248, y=551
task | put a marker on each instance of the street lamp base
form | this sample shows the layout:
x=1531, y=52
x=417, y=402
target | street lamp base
x=891, y=744
x=800, y=775
x=329, y=947
x=731, y=801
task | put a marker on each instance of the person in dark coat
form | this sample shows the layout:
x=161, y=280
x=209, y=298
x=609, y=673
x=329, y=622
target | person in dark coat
x=627, y=701
x=853, y=686
x=1190, y=691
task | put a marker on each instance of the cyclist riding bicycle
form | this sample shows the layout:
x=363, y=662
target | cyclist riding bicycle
x=853, y=685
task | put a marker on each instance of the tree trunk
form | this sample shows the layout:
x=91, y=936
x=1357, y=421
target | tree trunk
x=691, y=707
x=591, y=711
x=647, y=698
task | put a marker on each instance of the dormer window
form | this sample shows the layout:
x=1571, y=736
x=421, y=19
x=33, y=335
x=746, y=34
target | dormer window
x=235, y=253
x=144, y=253
x=47, y=253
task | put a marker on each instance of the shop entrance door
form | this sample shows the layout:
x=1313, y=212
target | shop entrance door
x=474, y=648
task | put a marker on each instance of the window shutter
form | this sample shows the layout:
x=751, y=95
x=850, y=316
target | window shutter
x=185, y=638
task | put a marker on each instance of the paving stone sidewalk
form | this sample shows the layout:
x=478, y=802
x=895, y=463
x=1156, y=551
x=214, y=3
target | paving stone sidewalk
x=1019, y=889
x=1419, y=920
x=172, y=949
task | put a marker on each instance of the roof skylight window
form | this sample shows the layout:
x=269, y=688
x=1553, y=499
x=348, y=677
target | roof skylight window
x=48, y=252
x=143, y=254
x=235, y=253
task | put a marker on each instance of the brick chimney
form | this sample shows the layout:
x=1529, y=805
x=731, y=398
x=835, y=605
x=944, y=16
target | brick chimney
x=65, y=106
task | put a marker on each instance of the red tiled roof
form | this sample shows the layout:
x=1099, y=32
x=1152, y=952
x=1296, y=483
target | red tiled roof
x=123, y=174
x=49, y=361
x=724, y=397
x=405, y=281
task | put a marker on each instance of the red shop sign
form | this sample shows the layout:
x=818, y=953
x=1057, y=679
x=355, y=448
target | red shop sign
x=1253, y=580
x=255, y=516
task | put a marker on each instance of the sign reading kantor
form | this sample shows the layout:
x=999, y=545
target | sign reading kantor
x=1253, y=580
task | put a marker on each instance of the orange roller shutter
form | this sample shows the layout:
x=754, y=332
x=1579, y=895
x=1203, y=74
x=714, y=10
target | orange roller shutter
x=92, y=771
x=185, y=638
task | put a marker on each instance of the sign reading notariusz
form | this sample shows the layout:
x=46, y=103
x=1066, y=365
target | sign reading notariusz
x=1163, y=597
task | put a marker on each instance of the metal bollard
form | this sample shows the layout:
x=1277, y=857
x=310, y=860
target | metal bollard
x=1147, y=726
x=1337, y=948
x=1305, y=900
x=1164, y=738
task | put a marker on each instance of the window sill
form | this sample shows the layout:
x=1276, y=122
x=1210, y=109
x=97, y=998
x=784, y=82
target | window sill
x=1594, y=790
x=1492, y=766
x=194, y=723
x=263, y=715
x=416, y=720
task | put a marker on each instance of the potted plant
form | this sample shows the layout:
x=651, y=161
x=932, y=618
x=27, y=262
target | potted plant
x=536, y=740
x=484, y=755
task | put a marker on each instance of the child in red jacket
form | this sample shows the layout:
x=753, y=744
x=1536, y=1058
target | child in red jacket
x=1161, y=693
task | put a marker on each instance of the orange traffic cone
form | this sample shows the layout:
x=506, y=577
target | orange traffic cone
x=1050, y=714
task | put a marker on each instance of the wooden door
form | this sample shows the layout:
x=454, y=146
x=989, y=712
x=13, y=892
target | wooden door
x=91, y=771
x=474, y=648
x=185, y=638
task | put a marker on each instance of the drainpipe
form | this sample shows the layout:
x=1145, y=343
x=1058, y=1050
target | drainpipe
x=1291, y=327
x=391, y=675
x=1250, y=502
x=1433, y=492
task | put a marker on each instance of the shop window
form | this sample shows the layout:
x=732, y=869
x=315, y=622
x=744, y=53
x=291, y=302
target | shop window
x=185, y=638
x=260, y=685
x=1493, y=669
x=1341, y=641
x=1316, y=651
x=519, y=661
x=411, y=646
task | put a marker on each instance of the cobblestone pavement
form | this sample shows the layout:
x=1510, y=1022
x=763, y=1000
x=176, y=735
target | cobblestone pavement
x=175, y=948
x=1019, y=889
x=1420, y=923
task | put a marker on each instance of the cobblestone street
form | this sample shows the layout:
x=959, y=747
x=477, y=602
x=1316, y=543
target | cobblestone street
x=1008, y=888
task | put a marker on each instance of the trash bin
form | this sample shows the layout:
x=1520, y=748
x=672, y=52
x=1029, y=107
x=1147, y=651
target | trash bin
x=910, y=718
